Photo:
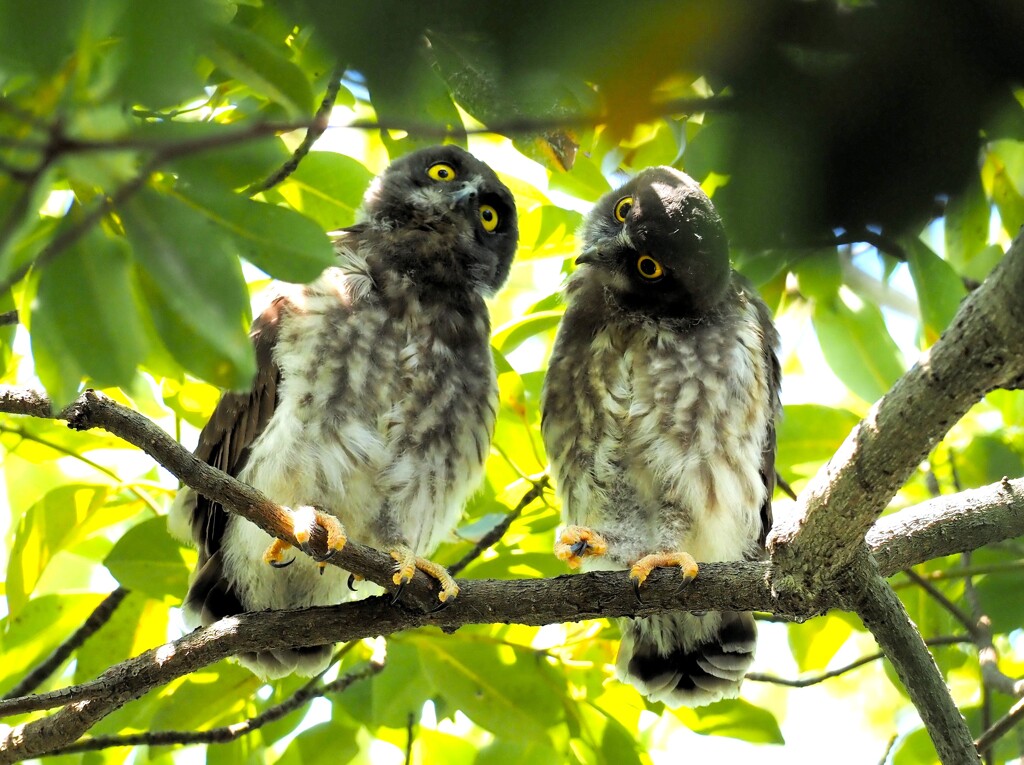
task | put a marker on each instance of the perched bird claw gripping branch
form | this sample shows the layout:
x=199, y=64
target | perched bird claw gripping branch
x=373, y=406
x=658, y=416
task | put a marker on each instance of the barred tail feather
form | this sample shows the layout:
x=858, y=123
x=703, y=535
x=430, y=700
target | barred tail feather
x=212, y=596
x=687, y=660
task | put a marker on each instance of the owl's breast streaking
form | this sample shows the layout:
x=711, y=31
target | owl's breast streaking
x=665, y=428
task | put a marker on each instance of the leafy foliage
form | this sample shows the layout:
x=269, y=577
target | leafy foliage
x=130, y=135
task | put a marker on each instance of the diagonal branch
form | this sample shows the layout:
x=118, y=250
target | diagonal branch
x=982, y=349
x=882, y=612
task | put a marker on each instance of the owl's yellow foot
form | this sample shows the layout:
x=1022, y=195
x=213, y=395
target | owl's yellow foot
x=275, y=553
x=577, y=542
x=304, y=523
x=642, y=568
x=406, y=564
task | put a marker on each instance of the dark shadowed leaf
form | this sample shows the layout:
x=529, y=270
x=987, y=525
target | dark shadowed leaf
x=264, y=67
x=85, y=320
x=194, y=287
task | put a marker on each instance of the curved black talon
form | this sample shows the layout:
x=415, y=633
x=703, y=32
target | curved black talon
x=580, y=547
x=636, y=590
x=351, y=582
x=398, y=593
x=441, y=606
x=279, y=564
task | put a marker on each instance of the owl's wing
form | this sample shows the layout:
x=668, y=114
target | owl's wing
x=236, y=423
x=770, y=342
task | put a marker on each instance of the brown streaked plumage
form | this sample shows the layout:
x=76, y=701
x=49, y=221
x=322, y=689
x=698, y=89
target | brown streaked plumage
x=374, y=401
x=658, y=417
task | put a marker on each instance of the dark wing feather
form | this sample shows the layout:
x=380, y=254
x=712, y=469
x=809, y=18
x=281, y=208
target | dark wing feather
x=236, y=423
x=770, y=340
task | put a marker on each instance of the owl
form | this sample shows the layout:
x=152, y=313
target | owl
x=658, y=417
x=372, y=411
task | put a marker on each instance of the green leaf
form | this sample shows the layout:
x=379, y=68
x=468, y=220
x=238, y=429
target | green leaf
x=1008, y=200
x=35, y=631
x=36, y=42
x=326, y=186
x=939, y=289
x=734, y=718
x=819, y=275
x=328, y=743
x=262, y=66
x=85, y=320
x=509, y=337
x=815, y=642
x=148, y=560
x=858, y=347
x=493, y=685
x=216, y=695
x=811, y=433
x=987, y=459
x=389, y=697
x=505, y=751
x=967, y=224
x=281, y=242
x=193, y=284
x=159, y=42
x=585, y=180
x=49, y=526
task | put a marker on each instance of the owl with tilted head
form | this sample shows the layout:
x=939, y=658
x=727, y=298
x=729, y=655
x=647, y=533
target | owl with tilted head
x=372, y=411
x=659, y=407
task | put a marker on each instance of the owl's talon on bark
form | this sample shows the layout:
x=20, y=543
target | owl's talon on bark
x=352, y=579
x=642, y=568
x=305, y=519
x=407, y=562
x=275, y=553
x=577, y=542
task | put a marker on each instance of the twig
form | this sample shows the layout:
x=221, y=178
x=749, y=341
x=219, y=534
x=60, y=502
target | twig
x=8, y=318
x=100, y=616
x=888, y=748
x=313, y=132
x=783, y=484
x=498, y=531
x=410, y=732
x=942, y=600
x=803, y=682
x=311, y=690
x=1001, y=727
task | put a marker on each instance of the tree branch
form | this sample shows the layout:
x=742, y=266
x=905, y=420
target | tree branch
x=311, y=690
x=982, y=349
x=883, y=613
x=1001, y=727
x=803, y=682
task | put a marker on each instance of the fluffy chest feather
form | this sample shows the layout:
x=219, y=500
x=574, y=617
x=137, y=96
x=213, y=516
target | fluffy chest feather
x=657, y=431
x=385, y=399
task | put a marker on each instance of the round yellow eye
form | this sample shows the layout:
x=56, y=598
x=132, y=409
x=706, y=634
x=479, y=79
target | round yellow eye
x=622, y=208
x=649, y=268
x=489, y=218
x=441, y=171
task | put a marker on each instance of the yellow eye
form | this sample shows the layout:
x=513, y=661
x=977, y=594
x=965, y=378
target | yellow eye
x=622, y=208
x=489, y=218
x=649, y=268
x=441, y=171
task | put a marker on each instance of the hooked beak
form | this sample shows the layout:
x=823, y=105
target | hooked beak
x=589, y=255
x=468, y=191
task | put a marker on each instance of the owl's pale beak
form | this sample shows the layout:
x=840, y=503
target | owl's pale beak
x=468, y=191
x=589, y=255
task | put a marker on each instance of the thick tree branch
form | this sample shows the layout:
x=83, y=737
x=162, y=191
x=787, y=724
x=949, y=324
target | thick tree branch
x=982, y=349
x=883, y=613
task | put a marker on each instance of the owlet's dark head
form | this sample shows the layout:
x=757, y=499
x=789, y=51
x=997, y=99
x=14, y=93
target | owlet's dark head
x=658, y=246
x=454, y=217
